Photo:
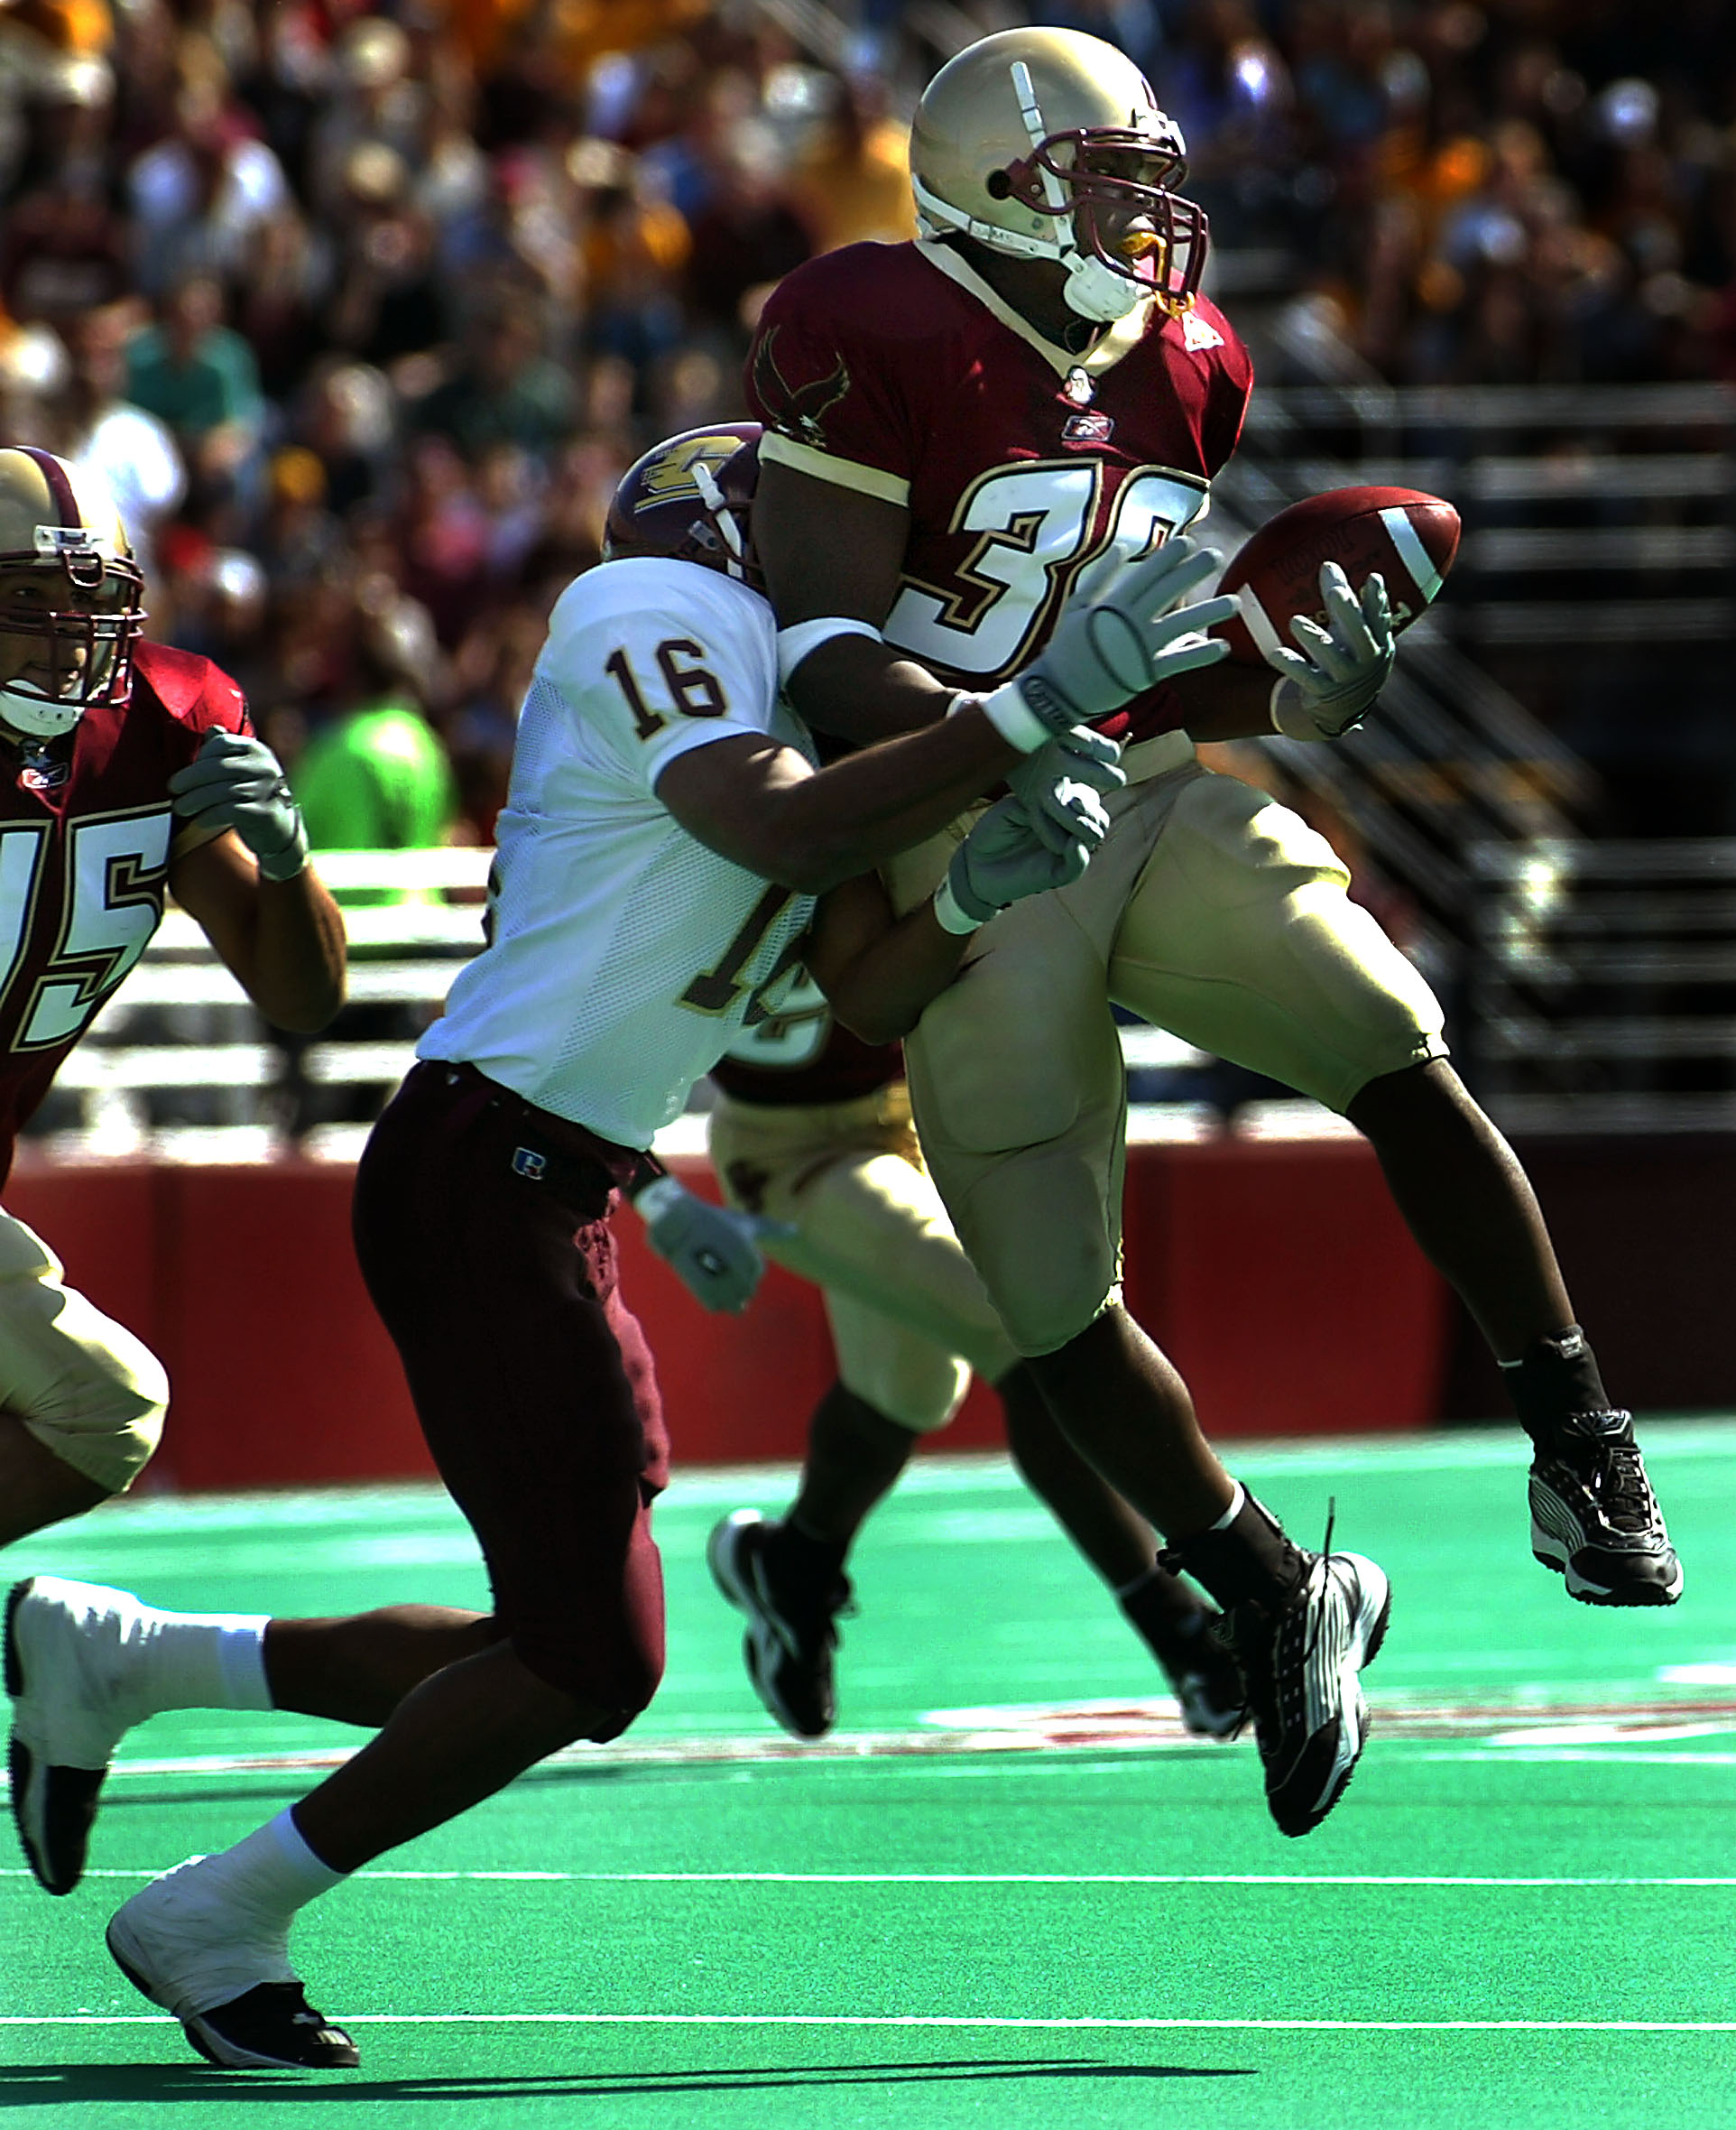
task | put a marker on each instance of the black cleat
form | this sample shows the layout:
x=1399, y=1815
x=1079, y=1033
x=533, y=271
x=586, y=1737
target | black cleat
x=791, y=1631
x=1202, y=1674
x=1595, y=1519
x=1301, y=1666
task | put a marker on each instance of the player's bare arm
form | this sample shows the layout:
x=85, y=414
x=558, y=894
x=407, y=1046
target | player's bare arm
x=829, y=551
x=282, y=940
x=1226, y=702
x=879, y=972
x=762, y=805
x=767, y=809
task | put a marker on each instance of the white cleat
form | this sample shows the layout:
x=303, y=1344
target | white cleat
x=223, y=1975
x=67, y=1651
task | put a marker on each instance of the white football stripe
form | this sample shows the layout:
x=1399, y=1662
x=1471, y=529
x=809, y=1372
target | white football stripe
x=1260, y=625
x=1412, y=553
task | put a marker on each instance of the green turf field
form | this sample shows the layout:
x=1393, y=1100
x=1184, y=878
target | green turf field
x=1008, y=1892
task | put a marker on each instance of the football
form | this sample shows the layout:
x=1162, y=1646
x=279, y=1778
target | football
x=1408, y=537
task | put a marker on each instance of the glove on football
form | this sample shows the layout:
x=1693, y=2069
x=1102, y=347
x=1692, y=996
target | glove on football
x=1118, y=635
x=1004, y=858
x=715, y=1249
x=1048, y=784
x=1330, y=684
x=236, y=781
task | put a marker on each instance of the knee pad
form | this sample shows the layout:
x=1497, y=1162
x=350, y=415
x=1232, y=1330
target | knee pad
x=1040, y=1236
x=102, y=1407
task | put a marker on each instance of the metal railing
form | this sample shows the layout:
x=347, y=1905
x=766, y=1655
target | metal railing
x=1604, y=992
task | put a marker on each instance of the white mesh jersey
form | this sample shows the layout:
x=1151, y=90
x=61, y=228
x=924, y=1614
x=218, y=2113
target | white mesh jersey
x=624, y=955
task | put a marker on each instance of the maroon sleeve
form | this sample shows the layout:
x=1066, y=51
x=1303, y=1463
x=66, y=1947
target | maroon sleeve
x=831, y=366
x=198, y=696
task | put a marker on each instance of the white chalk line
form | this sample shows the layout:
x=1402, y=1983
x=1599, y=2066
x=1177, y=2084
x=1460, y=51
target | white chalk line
x=926, y=2020
x=991, y=1878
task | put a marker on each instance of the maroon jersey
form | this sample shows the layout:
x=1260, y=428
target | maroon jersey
x=896, y=370
x=800, y=1056
x=86, y=834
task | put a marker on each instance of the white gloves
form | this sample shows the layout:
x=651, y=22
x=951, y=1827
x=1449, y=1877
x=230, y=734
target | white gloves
x=1328, y=686
x=715, y=1249
x=1059, y=785
x=236, y=781
x=1119, y=634
x=1005, y=858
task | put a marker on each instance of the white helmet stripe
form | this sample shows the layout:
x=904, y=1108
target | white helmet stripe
x=1031, y=111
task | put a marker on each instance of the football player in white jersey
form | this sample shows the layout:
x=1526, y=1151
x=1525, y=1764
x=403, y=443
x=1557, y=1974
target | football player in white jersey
x=665, y=840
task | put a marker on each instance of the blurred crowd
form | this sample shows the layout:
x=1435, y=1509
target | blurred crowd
x=365, y=310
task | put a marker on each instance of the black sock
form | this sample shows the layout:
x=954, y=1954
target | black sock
x=1554, y=1379
x=1161, y=1609
x=798, y=1554
x=1247, y=1559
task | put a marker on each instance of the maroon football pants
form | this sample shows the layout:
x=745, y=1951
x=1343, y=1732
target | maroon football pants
x=482, y=1227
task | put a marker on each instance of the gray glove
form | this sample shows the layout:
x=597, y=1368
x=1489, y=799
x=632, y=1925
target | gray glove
x=1004, y=858
x=1048, y=784
x=715, y=1249
x=1329, y=685
x=236, y=781
x=1119, y=634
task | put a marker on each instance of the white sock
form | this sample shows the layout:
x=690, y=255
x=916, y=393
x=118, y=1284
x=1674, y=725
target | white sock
x=1234, y=1509
x=269, y=1873
x=199, y=1659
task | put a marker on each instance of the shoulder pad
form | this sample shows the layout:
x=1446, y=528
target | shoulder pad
x=192, y=690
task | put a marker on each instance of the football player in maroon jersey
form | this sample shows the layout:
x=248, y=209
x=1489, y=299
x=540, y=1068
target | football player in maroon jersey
x=957, y=428
x=127, y=770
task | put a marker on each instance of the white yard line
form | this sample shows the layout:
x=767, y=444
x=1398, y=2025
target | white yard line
x=977, y=1878
x=908, y=2020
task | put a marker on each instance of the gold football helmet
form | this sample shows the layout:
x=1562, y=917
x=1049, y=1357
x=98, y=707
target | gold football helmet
x=71, y=597
x=1050, y=144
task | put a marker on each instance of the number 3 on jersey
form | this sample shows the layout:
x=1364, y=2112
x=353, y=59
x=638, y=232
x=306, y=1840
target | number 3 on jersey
x=1036, y=526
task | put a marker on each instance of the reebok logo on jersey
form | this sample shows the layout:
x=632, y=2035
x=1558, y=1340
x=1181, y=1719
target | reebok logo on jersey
x=44, y=775
x=1087, y=429
x=1196, y=335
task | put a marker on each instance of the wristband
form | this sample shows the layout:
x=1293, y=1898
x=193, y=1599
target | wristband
x=662, y=1195
x=1014, y=719
x=950, y=916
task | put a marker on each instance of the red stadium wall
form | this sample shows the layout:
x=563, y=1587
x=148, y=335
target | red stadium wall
x=1277, y=1277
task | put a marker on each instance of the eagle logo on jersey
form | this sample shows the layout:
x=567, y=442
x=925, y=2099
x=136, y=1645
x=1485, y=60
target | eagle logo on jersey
x=797, y=410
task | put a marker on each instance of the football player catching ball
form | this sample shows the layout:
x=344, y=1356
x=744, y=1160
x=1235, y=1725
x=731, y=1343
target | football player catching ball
x=958, y=428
